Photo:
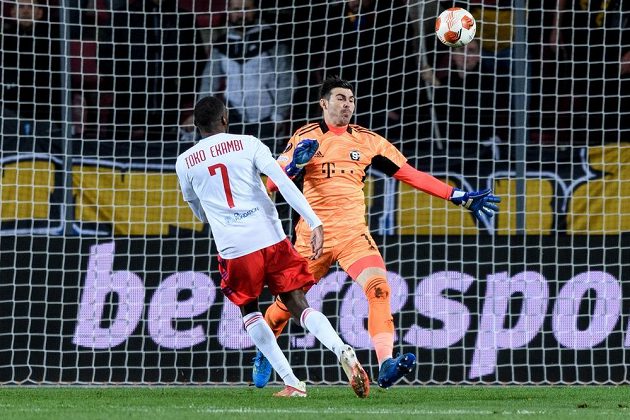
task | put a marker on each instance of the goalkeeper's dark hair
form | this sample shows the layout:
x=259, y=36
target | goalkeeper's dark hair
x=332, y=82
x=208, y=113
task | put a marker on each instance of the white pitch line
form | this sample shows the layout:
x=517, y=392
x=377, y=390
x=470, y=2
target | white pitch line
x=339, y=410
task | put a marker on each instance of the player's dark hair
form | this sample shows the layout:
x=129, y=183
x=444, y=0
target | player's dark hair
x=331, y=83
x=208, y=113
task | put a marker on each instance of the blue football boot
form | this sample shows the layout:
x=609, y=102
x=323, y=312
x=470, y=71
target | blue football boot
x=395, y=368
x=262, y=370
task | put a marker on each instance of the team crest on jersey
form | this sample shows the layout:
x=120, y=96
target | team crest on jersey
x=355, y=155
x=289, y=147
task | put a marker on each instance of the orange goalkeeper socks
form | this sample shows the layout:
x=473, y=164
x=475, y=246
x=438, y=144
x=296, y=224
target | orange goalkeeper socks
x=380, y=320
x=383, y=346
x=277, y=316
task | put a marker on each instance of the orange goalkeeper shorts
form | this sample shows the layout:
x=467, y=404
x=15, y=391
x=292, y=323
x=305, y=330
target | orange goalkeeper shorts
x=345, y=249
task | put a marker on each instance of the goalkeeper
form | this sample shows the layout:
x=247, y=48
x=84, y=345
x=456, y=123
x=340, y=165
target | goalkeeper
x=334, y=156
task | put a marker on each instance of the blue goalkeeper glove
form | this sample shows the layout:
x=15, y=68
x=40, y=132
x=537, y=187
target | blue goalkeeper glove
x=304, y=151
x=477, y=201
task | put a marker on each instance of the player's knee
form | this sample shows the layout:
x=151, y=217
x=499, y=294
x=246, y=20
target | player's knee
x=377, y=290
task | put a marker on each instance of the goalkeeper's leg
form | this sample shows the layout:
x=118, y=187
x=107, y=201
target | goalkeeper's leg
x=370, y=273
x=277, y=316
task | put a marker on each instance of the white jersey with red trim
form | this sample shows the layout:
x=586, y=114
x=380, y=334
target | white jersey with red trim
x=223, y=172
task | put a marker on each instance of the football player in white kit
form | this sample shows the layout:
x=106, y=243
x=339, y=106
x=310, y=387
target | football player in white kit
x=220, y=180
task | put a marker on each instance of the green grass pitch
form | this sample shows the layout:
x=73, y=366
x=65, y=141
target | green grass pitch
x=323, y=402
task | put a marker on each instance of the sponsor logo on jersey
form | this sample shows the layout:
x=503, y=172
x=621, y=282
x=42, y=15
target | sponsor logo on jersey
x=355, y=155
x=236, y=217
x=319, y=154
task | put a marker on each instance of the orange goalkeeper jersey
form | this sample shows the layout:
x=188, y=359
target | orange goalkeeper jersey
x=334, y=177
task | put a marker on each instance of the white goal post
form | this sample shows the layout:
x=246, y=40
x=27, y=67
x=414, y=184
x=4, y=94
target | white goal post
x=107, y=278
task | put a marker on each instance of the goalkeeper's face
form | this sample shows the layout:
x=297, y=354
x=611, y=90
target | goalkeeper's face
x=339, y=107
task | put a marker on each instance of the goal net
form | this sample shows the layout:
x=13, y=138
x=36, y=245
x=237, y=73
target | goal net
x=106, y=277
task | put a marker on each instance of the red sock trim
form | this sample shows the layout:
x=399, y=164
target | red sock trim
x=250, y=321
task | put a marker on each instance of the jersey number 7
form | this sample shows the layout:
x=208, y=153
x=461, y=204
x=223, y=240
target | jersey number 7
x=226, y=181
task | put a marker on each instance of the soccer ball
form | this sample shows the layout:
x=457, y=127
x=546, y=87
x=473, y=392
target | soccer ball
x=455, y=27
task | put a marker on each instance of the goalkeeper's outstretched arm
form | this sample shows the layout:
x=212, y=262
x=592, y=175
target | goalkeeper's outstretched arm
x=478, y=202
x=423, y=182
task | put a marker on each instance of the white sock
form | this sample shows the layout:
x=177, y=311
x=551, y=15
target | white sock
x=264, y=339
x=318, y=325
